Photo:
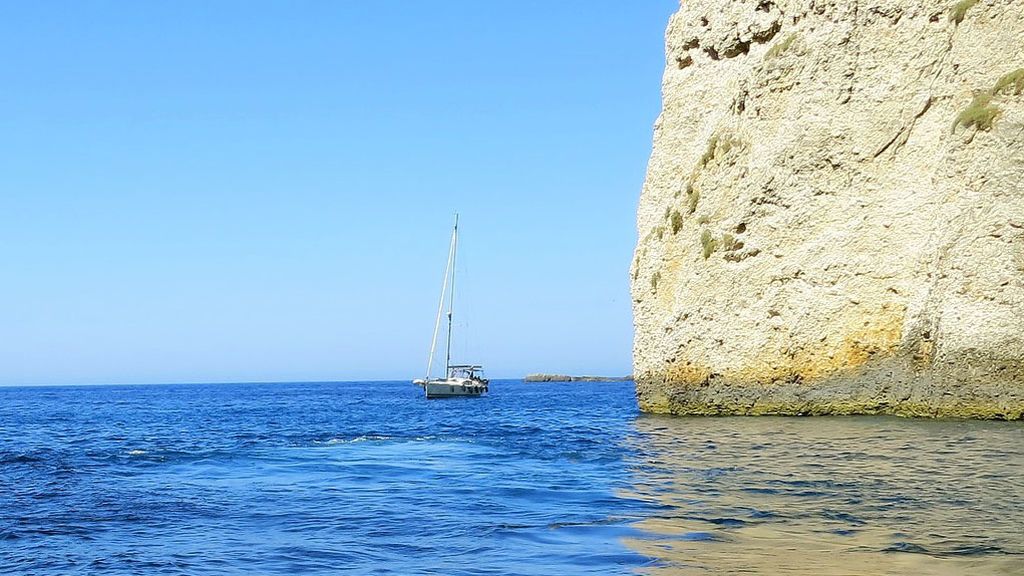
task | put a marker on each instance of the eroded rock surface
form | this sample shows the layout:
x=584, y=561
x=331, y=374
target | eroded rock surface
x=833, y=216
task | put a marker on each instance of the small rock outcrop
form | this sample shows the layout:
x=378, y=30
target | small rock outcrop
x=833, y=216
x=567, y=378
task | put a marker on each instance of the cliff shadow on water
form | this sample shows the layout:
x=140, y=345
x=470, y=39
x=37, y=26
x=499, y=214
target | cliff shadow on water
x=833, y=495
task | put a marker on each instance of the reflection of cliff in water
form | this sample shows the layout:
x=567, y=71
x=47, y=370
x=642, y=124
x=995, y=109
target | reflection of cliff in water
x=863, y=495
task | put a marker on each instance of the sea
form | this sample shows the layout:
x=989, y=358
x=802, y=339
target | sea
x=532, y=479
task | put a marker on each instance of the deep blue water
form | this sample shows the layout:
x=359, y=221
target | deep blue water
x=362, y=478
x=371, y=478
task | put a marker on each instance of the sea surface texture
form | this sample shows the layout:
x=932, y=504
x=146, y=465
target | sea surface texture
x=545, y=478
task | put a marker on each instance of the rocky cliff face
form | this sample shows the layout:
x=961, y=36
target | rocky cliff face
x=833, y=216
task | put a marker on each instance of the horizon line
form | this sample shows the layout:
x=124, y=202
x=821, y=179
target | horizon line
x=229, y=383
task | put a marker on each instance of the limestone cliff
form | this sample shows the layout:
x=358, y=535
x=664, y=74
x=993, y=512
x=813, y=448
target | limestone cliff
x=833, y=215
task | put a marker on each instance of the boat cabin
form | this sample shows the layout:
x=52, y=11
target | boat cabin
x=467, y=371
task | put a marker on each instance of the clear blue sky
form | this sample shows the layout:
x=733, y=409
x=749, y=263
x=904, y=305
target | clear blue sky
x=261, y=191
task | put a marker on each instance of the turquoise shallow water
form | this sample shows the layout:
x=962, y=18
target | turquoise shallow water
x=370, y=478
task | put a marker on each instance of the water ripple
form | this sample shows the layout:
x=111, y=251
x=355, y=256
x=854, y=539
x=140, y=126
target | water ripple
x=369, y=478
x=830, y=495
x=364, y=478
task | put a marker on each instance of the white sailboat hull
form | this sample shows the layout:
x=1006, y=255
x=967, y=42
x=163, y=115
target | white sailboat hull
x=450, y=388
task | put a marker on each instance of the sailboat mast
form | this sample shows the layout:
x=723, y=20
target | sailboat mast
x=440, y=307
x=451, y=301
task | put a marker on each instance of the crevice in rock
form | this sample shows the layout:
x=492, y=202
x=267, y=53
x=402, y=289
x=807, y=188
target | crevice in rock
x=736, y=49
x=901, y=137
x=767, y=35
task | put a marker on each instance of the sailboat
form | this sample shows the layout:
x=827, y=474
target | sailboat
x=459, y=379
